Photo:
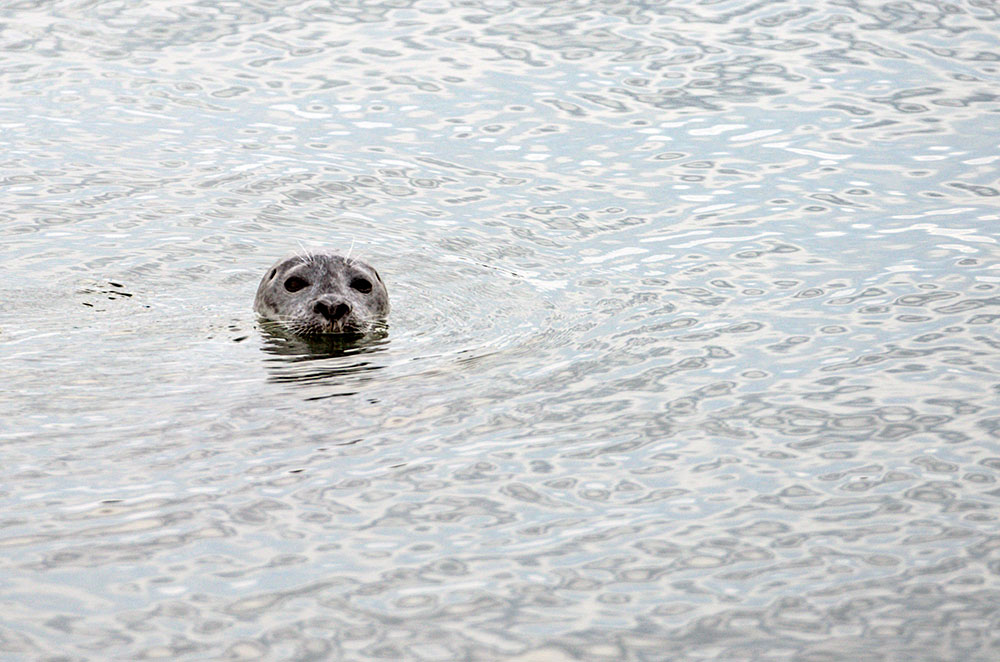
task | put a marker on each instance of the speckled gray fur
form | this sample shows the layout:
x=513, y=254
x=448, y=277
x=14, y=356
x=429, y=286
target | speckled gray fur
x=322, y=293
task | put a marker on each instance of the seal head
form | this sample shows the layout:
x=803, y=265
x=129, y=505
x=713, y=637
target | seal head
x=322, y=293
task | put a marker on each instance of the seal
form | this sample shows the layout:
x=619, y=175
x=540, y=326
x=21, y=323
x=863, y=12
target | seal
x=322, y=293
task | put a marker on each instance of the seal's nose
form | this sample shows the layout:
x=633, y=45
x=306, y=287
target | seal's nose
x=332, y=310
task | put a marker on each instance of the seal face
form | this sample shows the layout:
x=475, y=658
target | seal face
x=322, y=293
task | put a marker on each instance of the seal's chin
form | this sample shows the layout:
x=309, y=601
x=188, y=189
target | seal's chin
x=319, y=326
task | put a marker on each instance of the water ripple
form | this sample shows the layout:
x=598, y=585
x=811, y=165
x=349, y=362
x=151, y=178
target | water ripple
x=691, y=346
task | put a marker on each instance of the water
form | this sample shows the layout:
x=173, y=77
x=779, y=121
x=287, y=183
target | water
x=693, y=350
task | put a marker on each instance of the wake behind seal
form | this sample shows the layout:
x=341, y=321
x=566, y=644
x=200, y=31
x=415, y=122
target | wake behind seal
x=321, y=293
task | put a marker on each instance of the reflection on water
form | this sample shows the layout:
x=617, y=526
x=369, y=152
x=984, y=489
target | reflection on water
x=693, y=347
x=327, y=358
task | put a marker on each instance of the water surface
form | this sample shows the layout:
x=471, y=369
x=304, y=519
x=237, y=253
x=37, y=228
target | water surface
x=693, y=350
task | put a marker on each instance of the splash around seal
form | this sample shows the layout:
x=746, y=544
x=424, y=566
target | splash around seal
x=321, y=293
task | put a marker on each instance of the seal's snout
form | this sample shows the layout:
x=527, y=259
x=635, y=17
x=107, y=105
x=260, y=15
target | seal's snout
x=330, y=310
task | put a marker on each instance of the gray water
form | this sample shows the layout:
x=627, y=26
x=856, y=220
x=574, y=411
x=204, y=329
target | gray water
x=693, y=351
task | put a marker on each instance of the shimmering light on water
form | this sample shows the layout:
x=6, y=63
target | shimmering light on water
x=693, y=350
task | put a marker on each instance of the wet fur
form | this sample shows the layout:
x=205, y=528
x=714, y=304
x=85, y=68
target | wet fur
x=329, y=279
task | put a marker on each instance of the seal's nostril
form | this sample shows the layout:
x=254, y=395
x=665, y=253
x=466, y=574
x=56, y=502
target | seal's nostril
x=331, y=312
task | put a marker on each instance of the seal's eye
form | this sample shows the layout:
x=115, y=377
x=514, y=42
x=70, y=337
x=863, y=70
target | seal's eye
x=362, y=285
x=294, y=283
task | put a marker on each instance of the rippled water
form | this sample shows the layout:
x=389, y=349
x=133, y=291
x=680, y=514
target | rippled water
x=693, y=351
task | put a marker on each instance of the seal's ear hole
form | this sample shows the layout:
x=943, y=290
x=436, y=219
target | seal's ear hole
x=271, y=275
x=362, y=285
x=294, y=283
x=379, y=278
